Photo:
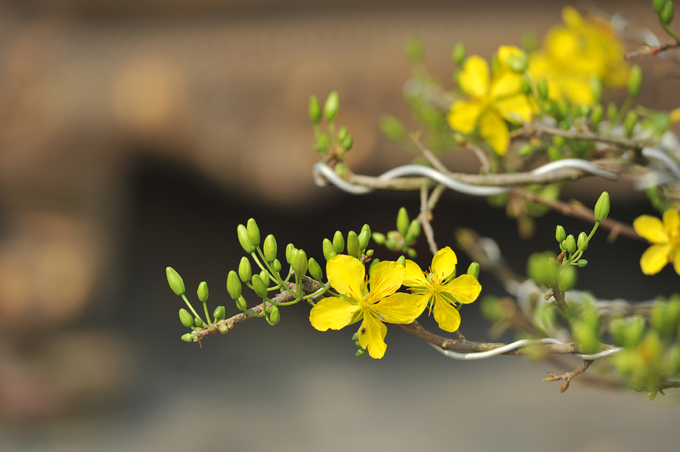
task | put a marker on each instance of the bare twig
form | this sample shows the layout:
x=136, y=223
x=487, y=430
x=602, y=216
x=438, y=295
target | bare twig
x=436, y=163
x=650, y=50
x=537, y=129
x=568, y=376
x=425, y=221
x=481, y=155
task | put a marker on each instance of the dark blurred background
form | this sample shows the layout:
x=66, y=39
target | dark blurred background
x=137, y=135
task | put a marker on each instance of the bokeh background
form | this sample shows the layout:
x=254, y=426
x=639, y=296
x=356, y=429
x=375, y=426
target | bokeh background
x=137, y=135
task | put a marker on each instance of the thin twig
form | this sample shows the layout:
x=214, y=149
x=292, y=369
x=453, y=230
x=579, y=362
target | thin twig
x=481, y=155
x=537, y=129
x=650, y=50
x=425, y=222
x=568, y=376
x=436, y=163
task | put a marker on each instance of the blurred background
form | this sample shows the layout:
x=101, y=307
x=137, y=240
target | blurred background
x=137, y=135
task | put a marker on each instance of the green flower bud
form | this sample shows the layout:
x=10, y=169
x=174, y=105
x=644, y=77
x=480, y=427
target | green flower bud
x=568, y=277
x=582, y=241
x=582, y=263
x=586, y=337
x=517, y=63
x=314, y=109
x=175, y=281
x=244, y=270
x=241, y=304
x=264, y=275
x=526, y=86
x=199, y=322
x=525, y=150
x=658, y=5
x=360, y=353
x=611, y=111
x=672, y=360
x=277, y=265
x=364, y=236
x=244, y=240
x=353, y=248
x=187, y=337
x=634, y=81
x=413, y=48
x=300, y=263
x=459, y=53
x=330, y=110
x=373, y=263
x=666, y=13
x=473, y=270
x=274, y=315
x=342, y=133
x=369, y=253
x=347, y=143
x=602, y=207
x=392, y=128
x=558, y=140
x=203, y=292
x=378, y=238
x=220, y=313
x=338, y=242
x=223, y=329
x=315, y=269
x=269, y=248
x=233, y=285
x=328, y=250
x=596, y=88
x=629, y=123
x=290, y=248
x=402, y=260
x=560, y=234
x=253, y=232
x=596, y=116
x=570, y=243
x=413, y=231
x=542, y=89
x=186, y=318
x=403, y=221
x=355, y=337
x=259, y=286
x=411, y=253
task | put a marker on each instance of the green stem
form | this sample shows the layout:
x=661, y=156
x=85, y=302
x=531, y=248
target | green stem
x=184, y=297
x=207, y=315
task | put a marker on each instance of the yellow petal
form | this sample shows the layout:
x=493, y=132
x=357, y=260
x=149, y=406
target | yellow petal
x=578, y=91
x=347, y=275
x=507, y=84
x=676, y=262
x=650, y=228
x=515, y=109
x=464, y=289
x=495, y=132
x=399, y=308
x=654, y=259
x=372, y=336
x=675, y=115
x=444, y=263
x=386, y=278
x=333, y=313
x=474, y=78
x=671, y=221
x=463, y=116
x=571, y=17
x=446, y=316
x=504, y=52
x=414, y=275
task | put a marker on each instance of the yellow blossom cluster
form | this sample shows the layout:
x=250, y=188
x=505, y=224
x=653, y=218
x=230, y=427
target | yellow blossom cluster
x=375, y=301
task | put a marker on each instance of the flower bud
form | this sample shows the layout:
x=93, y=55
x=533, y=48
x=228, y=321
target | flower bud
x=473, y=270
x=244, y=240
x=364, y=236
x=277, y=265
x=402, y=260
x=175, y=281
x=220, y=313
x=596, y=88
x=634, y=81
x=353, y=248
x=402, y=221
x=223, y=329
x=300, y=262
x=611, y=111
x=542, y=89
x=602, y=207
x=666, y=13
x=560, y=234
x=259, y=286
x=199, y=322
x=330, y=109
x=582, y=241
x=274, y=315
x=290, y=248
x=253, y=232
x=525, y=86
x=413, y=231
x=315, y=269
x=241, y=304
x=525, y=150
x=411, y=253
x=342, y=133
x=244, y=270
x=459, y=53
x=596, y=116
x=328, y=250
x=264, y=275
x=629, y=123
x=338, y=242
x=269, y=248
x=203, y=292
x=360, y=353
x=392, y=128
x=658, y=5
x=233, y=285
x=517, y=62
x=378, y=237
x=582, y=263
x=314, y=109
x=186, y=318
x=570, y=243
x=568, y=277
x=187, y=337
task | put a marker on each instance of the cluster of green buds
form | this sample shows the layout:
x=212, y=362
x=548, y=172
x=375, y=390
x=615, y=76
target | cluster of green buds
x=405, y=236
x=357, y=246
x=331, y=145
x=191, y=319
x=652, y=352
x=361, y=352
x=665, y=12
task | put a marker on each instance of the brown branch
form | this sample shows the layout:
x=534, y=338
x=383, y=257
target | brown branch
x=650, y=50
x=538, y=129
x=480, y=154
x=425, y=221
x=436, y=163
x=568, y=376
x=616, y=227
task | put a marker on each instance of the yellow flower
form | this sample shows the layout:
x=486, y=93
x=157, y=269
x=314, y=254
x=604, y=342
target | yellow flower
x=440, y=290
x=575, y=53
x=381, y=304
x=491, y=102
x=665, y=237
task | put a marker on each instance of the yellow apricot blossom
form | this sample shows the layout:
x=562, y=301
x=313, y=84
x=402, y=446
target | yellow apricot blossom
x=490, y=102
x=665, y=237
x=439, y=289
x=375, y=307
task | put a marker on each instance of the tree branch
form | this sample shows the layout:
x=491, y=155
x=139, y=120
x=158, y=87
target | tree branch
x=568, y=376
